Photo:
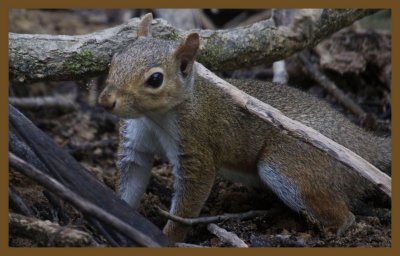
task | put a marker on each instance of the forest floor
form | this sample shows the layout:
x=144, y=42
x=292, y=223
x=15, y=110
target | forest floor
x=91, y=136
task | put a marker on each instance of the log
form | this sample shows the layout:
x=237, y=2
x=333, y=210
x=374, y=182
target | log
x=60, y=57
x=47, y=233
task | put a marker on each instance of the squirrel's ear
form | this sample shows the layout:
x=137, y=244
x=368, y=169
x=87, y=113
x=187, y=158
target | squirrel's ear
x=187, y=51
x=144, y=28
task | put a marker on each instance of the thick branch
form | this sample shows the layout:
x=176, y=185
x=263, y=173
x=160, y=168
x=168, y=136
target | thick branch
x=80, y=203
x=48, y=232
x=300, y=131
x=35, y=147
x=60, y=57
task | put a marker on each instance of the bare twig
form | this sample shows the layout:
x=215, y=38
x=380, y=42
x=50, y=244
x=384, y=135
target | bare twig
x=82, y=204
x=300, y=131
x=47, y=232
x=60, y=57
x=218, y=218
x=226, y=236
x=186, y=245
x=50, y=102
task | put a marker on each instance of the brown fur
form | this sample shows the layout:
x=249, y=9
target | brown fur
x=215, y=133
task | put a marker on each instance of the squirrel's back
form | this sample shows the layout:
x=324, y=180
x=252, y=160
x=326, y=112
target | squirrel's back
x=301, y=107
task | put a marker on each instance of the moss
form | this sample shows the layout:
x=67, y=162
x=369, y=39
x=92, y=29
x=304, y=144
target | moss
x=173, y=36
x=83, y=61
x=211, y=55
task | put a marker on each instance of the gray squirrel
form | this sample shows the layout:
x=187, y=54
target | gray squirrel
x=168, y=110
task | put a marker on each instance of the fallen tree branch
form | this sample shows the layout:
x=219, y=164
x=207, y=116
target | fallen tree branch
x=80, y=203
x=226, y=236
x=31, y=144
x=300, y=131
x=48, y=233
x=54, y=102
x=218, y=218
x=59, y=57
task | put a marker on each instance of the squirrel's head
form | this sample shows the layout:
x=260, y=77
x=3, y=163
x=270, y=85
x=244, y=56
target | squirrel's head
x=151, y=75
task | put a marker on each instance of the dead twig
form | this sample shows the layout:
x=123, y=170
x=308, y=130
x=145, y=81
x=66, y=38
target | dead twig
x=65, y=104
x=80, y=203
x=186, y=245
x=50, y=233
x=226, y=236
x=218, y=218
x=300, y=131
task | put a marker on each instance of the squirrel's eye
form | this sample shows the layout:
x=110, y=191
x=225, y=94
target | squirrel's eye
x=155, y=80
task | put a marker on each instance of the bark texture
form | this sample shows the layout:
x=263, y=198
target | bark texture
x=60, y=57
x=48, y=233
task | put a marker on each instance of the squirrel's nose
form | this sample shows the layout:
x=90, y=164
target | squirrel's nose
x=108, y=101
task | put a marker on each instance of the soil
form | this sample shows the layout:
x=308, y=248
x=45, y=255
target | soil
x=91, y=136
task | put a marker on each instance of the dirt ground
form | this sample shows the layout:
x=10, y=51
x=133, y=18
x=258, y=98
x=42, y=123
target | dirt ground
x=91, y=136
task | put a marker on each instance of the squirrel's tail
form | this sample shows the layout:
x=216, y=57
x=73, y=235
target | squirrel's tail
x=384, y=162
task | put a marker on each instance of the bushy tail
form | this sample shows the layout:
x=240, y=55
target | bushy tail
x=384, y=162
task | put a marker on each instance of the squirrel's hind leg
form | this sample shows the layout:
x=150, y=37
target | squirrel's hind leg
x=301, y=181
